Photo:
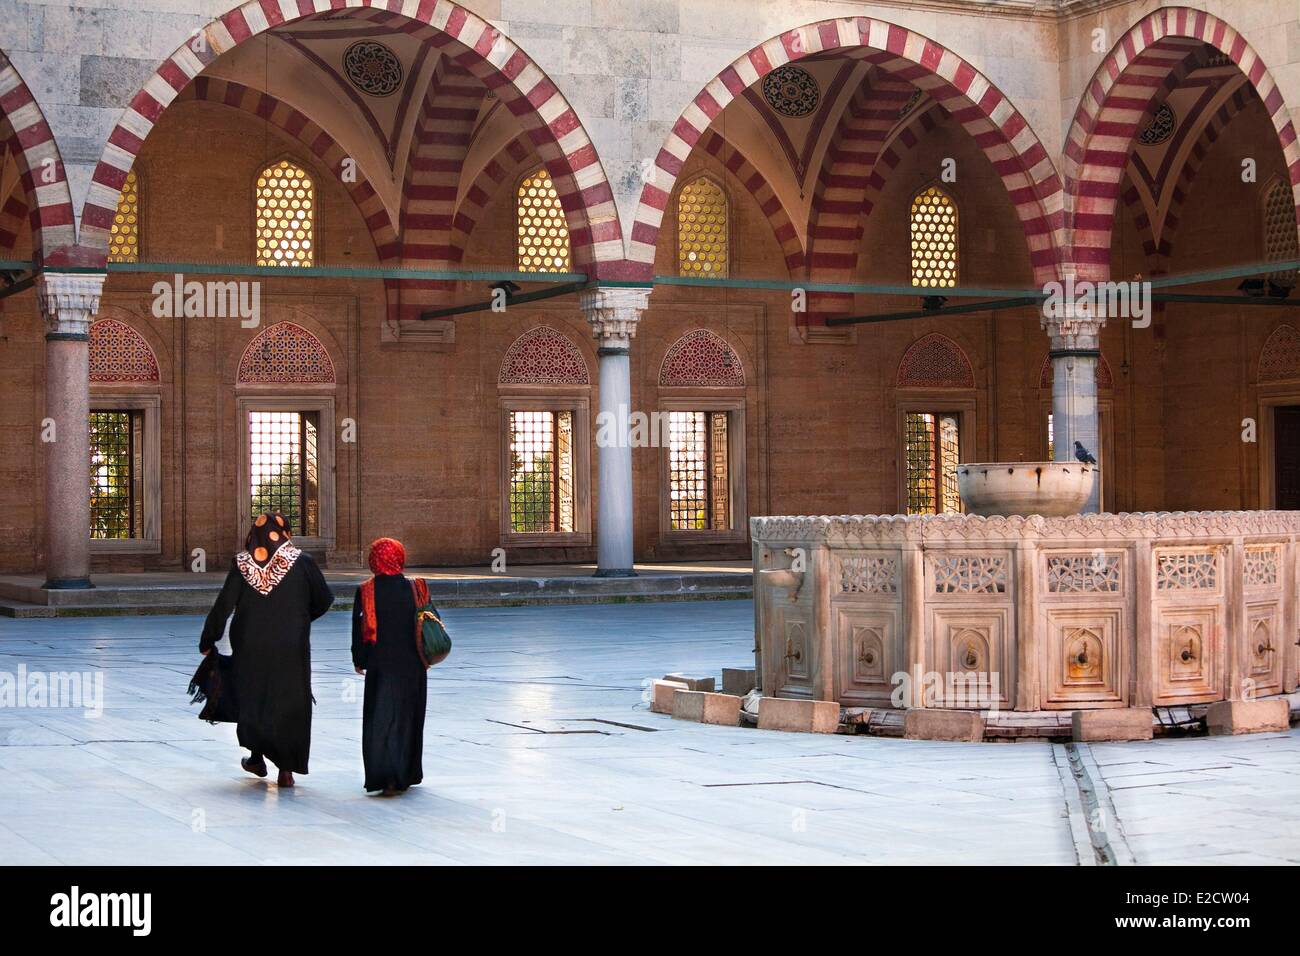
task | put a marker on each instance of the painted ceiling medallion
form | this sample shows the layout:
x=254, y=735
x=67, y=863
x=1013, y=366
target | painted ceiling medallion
x=791, y=91
x=1160, y=128
x=372, y=68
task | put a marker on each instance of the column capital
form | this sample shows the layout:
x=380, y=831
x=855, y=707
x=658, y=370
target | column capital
x=69, y=301
x=1072, y=325
x=613, y=312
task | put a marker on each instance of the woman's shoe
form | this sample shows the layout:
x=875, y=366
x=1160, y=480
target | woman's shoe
x=256, y=767
x=285, y=779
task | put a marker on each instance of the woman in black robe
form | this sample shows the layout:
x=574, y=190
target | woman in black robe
x=275, y=592
x=384, y=650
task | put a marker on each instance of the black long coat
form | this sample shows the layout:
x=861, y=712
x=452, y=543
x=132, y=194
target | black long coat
x=392, y=727
x=270, y=639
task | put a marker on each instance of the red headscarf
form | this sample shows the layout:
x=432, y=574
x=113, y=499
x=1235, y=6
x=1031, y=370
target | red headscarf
x=387, y=556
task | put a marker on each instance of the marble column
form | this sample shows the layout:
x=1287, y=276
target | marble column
x=68, y=303
x=1075, y=336
x=613, y=313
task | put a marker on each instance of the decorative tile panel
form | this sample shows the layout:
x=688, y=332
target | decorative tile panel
x=543, y=356
x=118, y=353
x=285, y=354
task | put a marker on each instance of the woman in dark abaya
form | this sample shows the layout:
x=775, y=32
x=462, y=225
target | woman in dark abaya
x=384, y=650
x=275, y=591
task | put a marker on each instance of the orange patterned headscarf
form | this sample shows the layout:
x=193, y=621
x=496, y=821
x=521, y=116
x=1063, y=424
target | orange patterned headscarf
x=387, y=556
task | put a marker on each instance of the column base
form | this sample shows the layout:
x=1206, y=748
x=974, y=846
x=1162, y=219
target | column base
x=614, y=573
x=67, y=584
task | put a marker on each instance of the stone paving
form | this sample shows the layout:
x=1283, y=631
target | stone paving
x=539, y=748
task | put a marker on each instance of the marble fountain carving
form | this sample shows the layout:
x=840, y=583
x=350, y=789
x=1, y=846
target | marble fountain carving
x=1062, y=612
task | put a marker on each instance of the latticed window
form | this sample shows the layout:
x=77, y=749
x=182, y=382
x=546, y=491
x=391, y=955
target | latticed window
x=543, y=230
x=286, y=212
x=124, y=234
x=541, y=472
x=932, y=451
x=284, y=463
x=934, y=239
x=702, y=229
x=1280, y=242
x=699, y=471
x=116, y=474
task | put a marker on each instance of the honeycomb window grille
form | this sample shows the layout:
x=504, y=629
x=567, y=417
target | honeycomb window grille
x=702, y=248
x=541, y=491
x=934, y=239
x=699, y=472
x=932, y=449
x=542, y=227
x=286, y=216
x=124, y=233
x=1280, y=236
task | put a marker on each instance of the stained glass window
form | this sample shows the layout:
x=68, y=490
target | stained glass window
x=932, y=451
x=699, y=493
x=116, y=469
x=541, y=472
x=702, y=229
x=1280, y=237
x=543, y=230
x=124, y=234
x=284, y=459
x=934, y=239
x=286, y=211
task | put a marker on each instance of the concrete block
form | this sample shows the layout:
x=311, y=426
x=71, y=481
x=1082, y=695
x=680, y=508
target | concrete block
x=663, y=690
x=799, y=716
x=1248, y=716
x=931, y=724
x=694, y=683
x=738, y=680
x=706, y=708
x=1123, y=723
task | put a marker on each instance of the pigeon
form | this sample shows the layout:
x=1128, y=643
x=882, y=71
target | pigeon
x=1083, y=454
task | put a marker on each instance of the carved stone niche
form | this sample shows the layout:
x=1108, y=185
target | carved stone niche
x=971, y=648
x=1086, y=660
x=1262, y=648
x=1189, y=655
x=869, y=651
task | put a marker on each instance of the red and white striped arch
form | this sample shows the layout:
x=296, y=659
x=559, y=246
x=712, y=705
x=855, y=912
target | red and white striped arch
x=508, y=164
x=31, y=141
x=1004, y=135
x=322, y=145
x=1117, y=100
x=484, y=51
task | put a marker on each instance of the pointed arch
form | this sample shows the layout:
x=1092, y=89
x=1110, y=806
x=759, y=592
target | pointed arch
x=29, y=138
x=935, y=361
x=702, y=358
x=768, y=201
x=984, y=111
x=285, y=354
x=543, y=356
x=501, y=168
x=1279, y=359
x=480, y=48
x=1115, y=104
x=119, y=353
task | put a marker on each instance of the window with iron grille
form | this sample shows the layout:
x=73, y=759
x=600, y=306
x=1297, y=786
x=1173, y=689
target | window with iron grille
x=543, y=229
x=934, y=239
x=116, y=474
x=284, y=461
x=541, y=472
x=699, y=471
x=286, y=215
x=124, y=232
x=932, y=450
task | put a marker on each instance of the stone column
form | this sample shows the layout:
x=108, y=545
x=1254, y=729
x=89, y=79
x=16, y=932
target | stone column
x=613, y=313
x=1075, y=335
x=68, y=303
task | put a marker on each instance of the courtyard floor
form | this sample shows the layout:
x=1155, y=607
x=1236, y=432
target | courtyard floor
x=539, y=748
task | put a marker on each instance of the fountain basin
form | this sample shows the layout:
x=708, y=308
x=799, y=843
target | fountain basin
x=1054, y=489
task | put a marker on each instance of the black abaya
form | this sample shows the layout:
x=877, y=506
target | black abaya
x=392, y=727
x=270, y=639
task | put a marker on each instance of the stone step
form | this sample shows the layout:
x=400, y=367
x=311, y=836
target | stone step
x=11, y=608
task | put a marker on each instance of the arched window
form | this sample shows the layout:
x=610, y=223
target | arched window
x=286, y=213
x=543, y=230
x=1279, y=360
x=702, y=229
x=285, y=354
x=934, y=239
x=124, y=234
x=1280, y=242
x=933, y=425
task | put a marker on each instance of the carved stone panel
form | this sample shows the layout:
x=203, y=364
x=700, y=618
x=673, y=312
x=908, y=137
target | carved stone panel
x=1086, y=656
x=976, y=574
x=1088, y=572
x=1183, y=570
x=869, y=576
x=1263, y=650
x=868, y=649
x=796, y=651
x=1189, y=655
x=1262, y=566
x=970, y=649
